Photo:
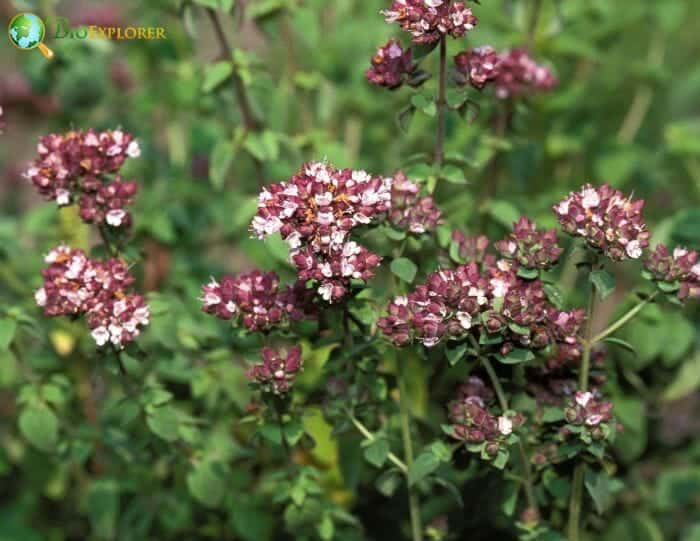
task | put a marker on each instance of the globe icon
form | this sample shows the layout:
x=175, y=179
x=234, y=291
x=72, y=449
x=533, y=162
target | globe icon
x=26, y=31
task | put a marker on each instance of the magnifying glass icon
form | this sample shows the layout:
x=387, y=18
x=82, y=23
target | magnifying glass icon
x=27, y=31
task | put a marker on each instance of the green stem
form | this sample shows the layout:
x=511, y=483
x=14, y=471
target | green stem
x=580, y=470
x=624, y=319
x=503, y=401
x=575, y=504
x=280, y=421
x=534, y=19
x=250, y=120
x=362, y=429
x=441, y=103
x=413, y=504
x=105, y=241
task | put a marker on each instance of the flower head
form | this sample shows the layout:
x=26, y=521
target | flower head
x=256, y=300
x=429, y=20
x=478, y=66
x=410, y=211
x=315, y=212
x=512, y=72
x=470, y=249
x=391, y=65
x=519, y=74
x=587, y=409
x=276, y=372
x=75, y=285
x=679, y=270
x=606, y=219
x=75, y=167
x=471, y=419
x=529, y=247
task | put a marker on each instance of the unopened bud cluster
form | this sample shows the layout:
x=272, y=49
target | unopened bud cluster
x=677, y=272
x=529, y=247
x=277, y=371
x=409, y=210
x=513, y=73
x=472, y=421
x=391, y=65
x=588, y=416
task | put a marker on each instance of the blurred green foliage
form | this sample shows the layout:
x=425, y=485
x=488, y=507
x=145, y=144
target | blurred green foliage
x=82, y=458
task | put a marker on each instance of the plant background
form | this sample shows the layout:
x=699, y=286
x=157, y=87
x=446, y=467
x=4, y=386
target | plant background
x=626, y=112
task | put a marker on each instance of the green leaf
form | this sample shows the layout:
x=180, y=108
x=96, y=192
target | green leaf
x=263, y=146
x=554, y=295
x=206, y=483
x=637, y=526
x=404, y=268
x=598, y=486
x=388, y=482
x=424, y=102
x=219, y=163
x=516, y=356
x=8, y=327
x=622, y=343
x=632, y=441
x=603, y=281
x=164, y=422
x=679, y=335
x=454, y=355
x=215, y=74
x=224, y=5
x=293, y=431
x=676, y=487
x=501, y=459
x=422, y=50
x=424, y=465
x=528, y=274
x=376, y=452
x=510, y=499
x=40, y=426
x=453, y=174
x=503, y=212
x=103, y=507
x=687, y=379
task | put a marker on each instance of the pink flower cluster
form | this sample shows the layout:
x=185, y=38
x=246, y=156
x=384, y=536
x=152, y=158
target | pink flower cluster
x=276, y=373
x=456, y=302
x=391, y=65
x=256, y=300
x=315, y=212
x=680, y=268
x=472, y=422
x=410, y=211
x=478, y=66
x=513, y=72
x=76, y=166
x=76, y=285
x=429, y=20
x=586, y=409
x=471, y=249
x=530, y=248
x=607, y=220
x=106, y=202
